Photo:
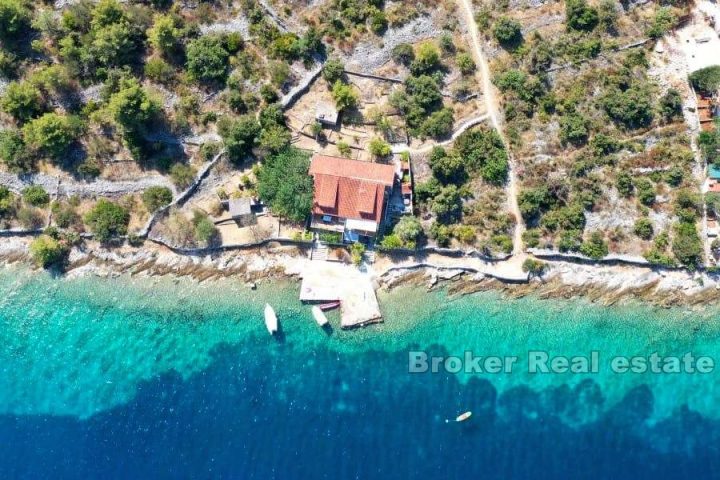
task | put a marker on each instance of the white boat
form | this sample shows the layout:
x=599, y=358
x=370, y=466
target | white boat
x=463, y=417
x=320, y=317
x=271, y=321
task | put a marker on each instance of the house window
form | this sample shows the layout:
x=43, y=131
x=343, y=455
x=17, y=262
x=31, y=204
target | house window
x=326, y=218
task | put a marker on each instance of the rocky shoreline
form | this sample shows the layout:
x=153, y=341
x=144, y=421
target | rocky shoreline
x=603, y=284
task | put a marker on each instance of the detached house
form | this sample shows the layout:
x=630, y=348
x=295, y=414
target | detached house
x=350, y=196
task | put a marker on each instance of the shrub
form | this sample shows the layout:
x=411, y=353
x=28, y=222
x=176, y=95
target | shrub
x=30, y=218
x=107, y=219
x=378, y=22
x=631, y=108
x=580, y=16
x=465, y=63
x=14, y=153
x=507, y=32
x=344, y=95
x=205, y=230
x=664, y=21
x=275, y=138
x=573, y=129
x=159, y=70
x=643, y=228
x=47, y=251
x=51, y=134
x=645, y=191
x=534, y=267
x=502, y=242
x=357, y=250
x=427, y=59
x=403, y=54
x=333, y=70
x=624, y=184
x=156, y=197
x=595, y=247
x=531, y=237
x=379, y=148
x=36, y=196
x=343, y=148
x=391, y=242
x=182, y=175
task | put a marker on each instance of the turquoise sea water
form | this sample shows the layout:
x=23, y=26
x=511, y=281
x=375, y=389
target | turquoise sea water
x=168, y=378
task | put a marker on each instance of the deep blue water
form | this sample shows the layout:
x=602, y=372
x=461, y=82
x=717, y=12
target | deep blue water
x=337, y=406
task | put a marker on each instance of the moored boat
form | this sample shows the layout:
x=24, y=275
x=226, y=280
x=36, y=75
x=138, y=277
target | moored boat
x=464, y=416
x=329, y=305
x=271, y=321
x=320, y=317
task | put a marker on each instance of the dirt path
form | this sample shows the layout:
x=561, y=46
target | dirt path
x=491, y=105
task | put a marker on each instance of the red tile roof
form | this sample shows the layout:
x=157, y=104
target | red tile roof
x=355, y=169
x=350, y=188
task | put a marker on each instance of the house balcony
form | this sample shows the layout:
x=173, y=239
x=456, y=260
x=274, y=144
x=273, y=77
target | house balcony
x=328, y=223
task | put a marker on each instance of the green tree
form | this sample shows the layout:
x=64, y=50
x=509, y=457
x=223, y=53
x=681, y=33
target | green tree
x=447, y=205
x=344, y=95
x=706, y=80
x=483, y=150
x=275, y=138
x=36, y=196
x=156, y=197
x=284, y=184
x=687, y=246
x=409, y=230
x=23, y=101
x=624, y=184
x=164, y=35
x=207, y=59
x=448, y=168
x=240, y=136
x=507, y=32
x=608, y=14
x=51, y=134
x=438, y=124
x=131, y=107
x=107, y=219
x=357, y=250
x=14, y=19
x=671, y=105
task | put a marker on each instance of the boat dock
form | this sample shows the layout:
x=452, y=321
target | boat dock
x=334, y=281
